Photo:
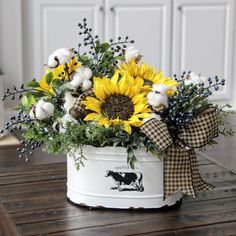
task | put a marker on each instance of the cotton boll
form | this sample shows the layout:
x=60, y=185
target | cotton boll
x=69, y=101
x=62, y=122
x=56, y=126
x=194, y=79
x=84, y=72
x=188, y=81
x=60, y=57
x=76, y=81
x=191, y=79
x=43, y=110
x=161, y=88
x=32, y=113
x=81, y=78
x=157, y=99
x=131, y=53
x=87, y=84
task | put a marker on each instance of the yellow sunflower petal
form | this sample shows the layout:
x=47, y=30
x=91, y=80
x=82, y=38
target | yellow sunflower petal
x=92, y=104
x=92, y=117
x=138, y=99
x=123, y=85
x=127, y=128
x=139, y=108
x=104, y=121
x=115, y=78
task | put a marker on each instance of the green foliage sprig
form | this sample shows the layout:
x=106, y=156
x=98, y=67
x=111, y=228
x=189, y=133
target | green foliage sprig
x=77, y=136
x=102, y=58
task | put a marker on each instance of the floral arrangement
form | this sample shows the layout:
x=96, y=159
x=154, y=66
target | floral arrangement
x=103, y=97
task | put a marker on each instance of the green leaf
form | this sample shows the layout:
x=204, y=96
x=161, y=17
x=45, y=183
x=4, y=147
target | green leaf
x=56, y=83
x=98, y=46
x=31, y=100
x=49, y=78
x=28, y=101
x=33, y=84
x=25, y=101
x=104, y=47
x=37, y=94
x=120, y=58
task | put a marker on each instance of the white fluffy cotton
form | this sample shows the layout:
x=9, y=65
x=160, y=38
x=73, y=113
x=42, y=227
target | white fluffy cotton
x=160, y=88
x=69, y=101
x=131, y=53
x=42, y=110
x=195, y=79
x=86, y=85
x=82, y=78
x=61, y=124
x=60, y=57
x=158, y=97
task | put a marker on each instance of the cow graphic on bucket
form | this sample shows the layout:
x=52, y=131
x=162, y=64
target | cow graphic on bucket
x=127, y=181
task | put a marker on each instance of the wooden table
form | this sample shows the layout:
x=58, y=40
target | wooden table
x=33, y=202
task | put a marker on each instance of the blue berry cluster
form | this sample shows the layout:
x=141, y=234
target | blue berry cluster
x=188, y=101
x=105, y=56
x=15, y=93
x=27, y=148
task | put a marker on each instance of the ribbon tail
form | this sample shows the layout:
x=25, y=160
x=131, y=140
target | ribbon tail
x=181, y=173
x=198, y=183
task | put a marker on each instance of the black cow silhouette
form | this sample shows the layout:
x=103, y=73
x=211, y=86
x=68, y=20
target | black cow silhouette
x=127, y=181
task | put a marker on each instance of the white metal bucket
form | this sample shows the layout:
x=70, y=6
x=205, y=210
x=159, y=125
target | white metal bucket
x=107, y=181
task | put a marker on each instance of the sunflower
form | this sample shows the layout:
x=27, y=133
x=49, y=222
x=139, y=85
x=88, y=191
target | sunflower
x=117, y=101
x=147, y=75
x=136, y=70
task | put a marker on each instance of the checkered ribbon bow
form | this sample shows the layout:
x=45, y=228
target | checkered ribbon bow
x=78, y=110
x=180, y=161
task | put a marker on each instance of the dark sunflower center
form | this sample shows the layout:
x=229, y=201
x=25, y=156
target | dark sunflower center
x=118, y=106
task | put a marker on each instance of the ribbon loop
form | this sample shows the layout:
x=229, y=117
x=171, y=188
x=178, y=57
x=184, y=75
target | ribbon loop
x=157, y=131
x=201, y=130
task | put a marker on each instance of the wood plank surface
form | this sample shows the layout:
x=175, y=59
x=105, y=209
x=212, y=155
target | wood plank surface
x=33, y=202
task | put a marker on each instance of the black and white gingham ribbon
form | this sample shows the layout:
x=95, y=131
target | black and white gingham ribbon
x=180, y=161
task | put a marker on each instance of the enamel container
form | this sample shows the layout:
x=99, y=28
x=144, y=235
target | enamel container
x=107, y=181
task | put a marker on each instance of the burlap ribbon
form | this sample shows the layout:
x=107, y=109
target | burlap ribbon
x=180, y=161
